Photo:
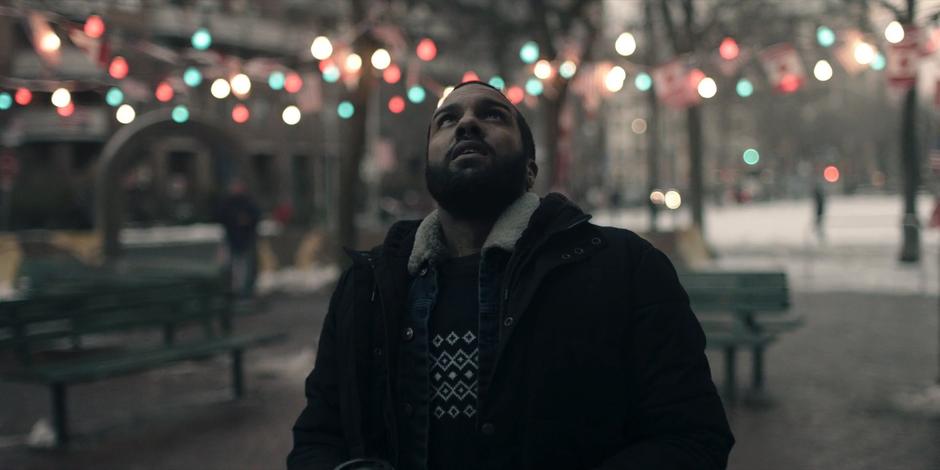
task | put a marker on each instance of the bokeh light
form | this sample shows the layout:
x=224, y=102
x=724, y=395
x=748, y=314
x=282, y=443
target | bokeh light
x=67, y=110
x=744, y=88
x=469, y=76
x=94, y=26
x=396, y=104
x=293, y=83
x=276, y=80
x=498, y=82
x=241, y=84
x=643, y=81
x=61, y=98
x=392, y=74
x=23, y=96
x=534, y=87
x=416, y=94
x=751, y=156
x=672, y=199
x=825, y=36
x=114, y=97
x=822, y=70
x=567, y=69
x=831, y=174
x=529, y=52
x=125, y=114
x=625, y=44
x=192, y=77
x=426, y=50
x=345, y=110
x=638, y=126
x=180, y=114
x=894, y=32
x=728, y=49
x=240, y=113
x=118, y=68
x=543, y=69
x=291, y=115
x=220, y=88
x=201, y=39
x=321, y=48
x=707, y=88
x=381, y=59
x=515, y=94
x=164, y=92
x=6, y=101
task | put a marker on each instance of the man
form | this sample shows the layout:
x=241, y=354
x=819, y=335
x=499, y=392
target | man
x=504, y=331
x=239, y=216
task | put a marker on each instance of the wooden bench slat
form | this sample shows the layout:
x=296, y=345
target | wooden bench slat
x=95, y=368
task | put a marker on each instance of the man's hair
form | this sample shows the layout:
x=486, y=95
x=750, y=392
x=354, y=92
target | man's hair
x=528, y=142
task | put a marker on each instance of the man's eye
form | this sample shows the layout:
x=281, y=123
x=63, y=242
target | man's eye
x=445, y=120
x=493, y=115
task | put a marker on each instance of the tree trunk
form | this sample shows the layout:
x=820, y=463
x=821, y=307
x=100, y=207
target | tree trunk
x=551, y=168
x=351, y=156
x=696, y=144
x=910, y=164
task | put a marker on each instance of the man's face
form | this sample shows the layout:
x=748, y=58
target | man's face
x=476, y=163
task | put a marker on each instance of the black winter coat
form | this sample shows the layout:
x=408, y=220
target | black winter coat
x=604, y=367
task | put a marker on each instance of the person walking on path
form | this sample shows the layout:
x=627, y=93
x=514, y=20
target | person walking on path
x=505, y=331
x=819, y=200
x=239, y=216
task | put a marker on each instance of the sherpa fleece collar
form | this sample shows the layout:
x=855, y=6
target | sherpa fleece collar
x=430, y=245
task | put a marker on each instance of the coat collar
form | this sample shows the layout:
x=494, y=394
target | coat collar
x=430, y=246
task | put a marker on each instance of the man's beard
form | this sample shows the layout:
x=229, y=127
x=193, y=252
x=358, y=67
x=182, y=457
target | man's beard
x=479, y=194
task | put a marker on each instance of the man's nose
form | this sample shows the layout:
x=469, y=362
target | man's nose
x=468, y=126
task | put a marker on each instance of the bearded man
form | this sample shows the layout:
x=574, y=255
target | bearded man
x=505, y=331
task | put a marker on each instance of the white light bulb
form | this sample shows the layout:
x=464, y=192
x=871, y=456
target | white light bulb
x=241, y=84
x=822, y=71
x=125, y=114
x=291, y=115
x=381, y=59
x=321, y=48
x=61, y=98
x=220, y=88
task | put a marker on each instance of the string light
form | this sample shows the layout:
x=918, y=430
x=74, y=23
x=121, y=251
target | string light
x=381, y=59
x=353, y=63
x=625, y=44
x=515, y=94
x=50, y=42
x=125, y=114
x=729, y=49
x=470, y=76
x=61, y=98
x=94, y=27
x=672, y=199
x=67, y=110
x=567, y=69
x=240, y=113
x=416, y=94
x=831, y=174
x=201, y=39
x=894, y=32
x=396, y=104
x=345, y=110
x=114, y=97
x=164, y=92
x=707, y=88
x=241, y=84
x=543, y=69
x=497, y=82
x=426, y=50
x=392, y=74
x=118, y=68
x=6, y=101
x=220, y=88
x=825, y=36
x=293, y=83
x=331, y=73
x=615, y=78
x=643, y=81
x=751, y=156
x=321, y=48
x=192, y=77
x=23, y=96
x=180, y=114
x=864, y=53
x=276, y=80
x=291, y=115
x=822, y=71
x=744, y=88
x=529, y=52
x=534, y=86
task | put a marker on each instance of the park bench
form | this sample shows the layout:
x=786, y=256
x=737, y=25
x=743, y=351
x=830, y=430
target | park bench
x=89, y=331
x=740, y=309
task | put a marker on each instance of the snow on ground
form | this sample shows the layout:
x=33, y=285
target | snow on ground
x=858, y=254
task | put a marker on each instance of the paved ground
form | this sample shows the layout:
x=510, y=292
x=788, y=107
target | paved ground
x=834, y=385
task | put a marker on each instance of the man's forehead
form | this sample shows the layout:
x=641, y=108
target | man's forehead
x=476, y=91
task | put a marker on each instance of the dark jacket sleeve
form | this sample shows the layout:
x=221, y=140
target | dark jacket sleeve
x=682, y=423
x=319, y=443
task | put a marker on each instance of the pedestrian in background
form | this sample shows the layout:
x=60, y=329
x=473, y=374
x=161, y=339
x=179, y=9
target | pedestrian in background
x=239, y=215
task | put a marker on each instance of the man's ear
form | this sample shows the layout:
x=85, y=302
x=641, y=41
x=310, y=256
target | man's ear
x=532, y=170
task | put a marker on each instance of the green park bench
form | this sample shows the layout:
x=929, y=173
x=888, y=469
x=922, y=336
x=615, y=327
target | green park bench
x=740, y=309
x=55, y=338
